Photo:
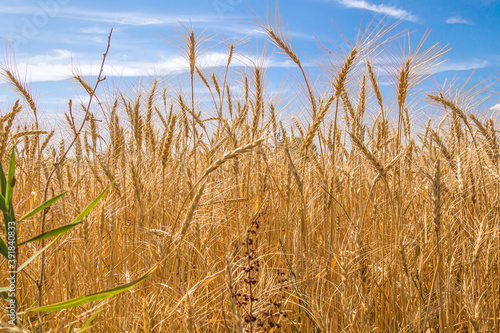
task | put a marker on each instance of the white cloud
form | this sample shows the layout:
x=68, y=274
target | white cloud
x=398, y=13
x=462, y=66
x=457, y=20
x=94, y=30
x=57, y=55
x=495, y=107
x=58, y=64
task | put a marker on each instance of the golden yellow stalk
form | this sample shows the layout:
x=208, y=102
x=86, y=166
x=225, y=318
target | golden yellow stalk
x=233, y=154
x=376, y=164
x=168, y=141
x=339, y=84
x=403, y=84
x=376, y=88
x=22, y=90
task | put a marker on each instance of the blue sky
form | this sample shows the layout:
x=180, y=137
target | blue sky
x=48, y=37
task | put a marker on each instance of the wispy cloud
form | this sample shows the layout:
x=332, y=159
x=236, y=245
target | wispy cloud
x=58, y=65
x=134, y=18
x=457, y=20
x=20, y=10
x=115, y=17
x=256, y=32
x=94, y=30
x=392, y=11
x=462, y=65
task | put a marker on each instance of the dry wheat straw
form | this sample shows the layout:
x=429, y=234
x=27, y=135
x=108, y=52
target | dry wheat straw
x=494, y=150
x=233, y=154
x=369, y=156
x=342, y=76
x=279, y=38
x=317, y=122
x=22, y=90
x=403, y=83
x=376, y=88
x=46, y=141
x=5, y=131
x=20, y=134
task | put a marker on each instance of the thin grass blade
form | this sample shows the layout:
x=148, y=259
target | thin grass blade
x=3, y=249
x=3, y=208
x=20, y=268
x=93, y=297
x=93, y=203
x=3, y=181
x=57, y=231
x=89, y=321
x=41, y=207
x=10, y=178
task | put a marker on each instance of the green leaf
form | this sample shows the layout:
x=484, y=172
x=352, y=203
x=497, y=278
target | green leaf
x=20, y=268
x=60, y=230
x=89, y=321
x=3, y=208
x=8, y=217
x=3, y=293
x=3, y=249
x=41, y=207
x=2, y=181
x=93, y=297
x=10, y=177
x=93, y=203
x=57, y=231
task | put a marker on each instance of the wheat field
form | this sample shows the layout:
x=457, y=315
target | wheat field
x=350, y=216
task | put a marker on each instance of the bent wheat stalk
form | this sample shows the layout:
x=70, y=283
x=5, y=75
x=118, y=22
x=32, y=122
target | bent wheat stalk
x=228, y=156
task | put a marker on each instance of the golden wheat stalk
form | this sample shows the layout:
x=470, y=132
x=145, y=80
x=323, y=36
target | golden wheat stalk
x=232, y=154
x=376, y=164
x=342, y=76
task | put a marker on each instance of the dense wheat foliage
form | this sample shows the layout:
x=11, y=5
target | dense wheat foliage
x=347, y=217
